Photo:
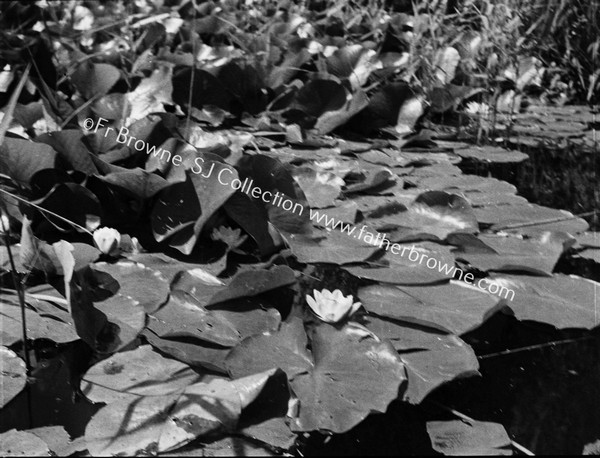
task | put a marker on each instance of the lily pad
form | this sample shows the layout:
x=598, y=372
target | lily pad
x=320, y=188
x=332, y=247
x=531, y=218
x=22, y=443
x=146, y=286
x=167, y=422
x=350, y=373
x=431, y=358
x=450, y=307
x=132, y=374
x=489, y=252
x=13, y=376
x=491, y=154
x=398, y=267
x=37, y=326
x=459, y=438
x=563, y=301
x=433, y=215
x=21, y=159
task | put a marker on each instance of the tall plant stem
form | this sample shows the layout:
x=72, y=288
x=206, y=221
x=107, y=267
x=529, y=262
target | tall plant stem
x=18, y=289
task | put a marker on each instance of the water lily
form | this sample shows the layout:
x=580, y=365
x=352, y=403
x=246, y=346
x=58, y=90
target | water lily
x=4, y=224
x=107, y=240
x=480, y=109
x=332, y=307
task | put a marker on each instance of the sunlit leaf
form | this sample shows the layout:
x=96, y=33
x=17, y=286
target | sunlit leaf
x=13, y=376
x=457, y=437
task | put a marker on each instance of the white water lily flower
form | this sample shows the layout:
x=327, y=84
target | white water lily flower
x=332, y=307
x=330, y=179
x=480, y=109
x=4, y=224
x=107, y=240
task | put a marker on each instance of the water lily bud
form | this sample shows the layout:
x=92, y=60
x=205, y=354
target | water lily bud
x=107, y=240
x=4, y=224
x=332, y=307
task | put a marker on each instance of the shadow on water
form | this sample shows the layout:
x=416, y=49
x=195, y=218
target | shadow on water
x=565, y=178
x=51, y=397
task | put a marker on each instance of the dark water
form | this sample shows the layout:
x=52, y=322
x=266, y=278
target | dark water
x=51, y=396
x=566, y=178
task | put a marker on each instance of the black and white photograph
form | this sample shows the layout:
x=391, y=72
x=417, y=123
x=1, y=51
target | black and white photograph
x=299, y=228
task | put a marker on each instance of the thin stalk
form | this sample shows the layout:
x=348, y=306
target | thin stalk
x=546, y=221
x=533, y=347
x=43, y=210
x=18, y=289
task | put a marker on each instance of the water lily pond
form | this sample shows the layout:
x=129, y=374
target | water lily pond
x=298, y=228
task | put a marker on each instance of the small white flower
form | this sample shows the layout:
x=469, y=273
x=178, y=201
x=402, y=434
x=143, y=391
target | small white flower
x=107, y=240
x=329, y=50
x=480, y=109
x=4, y=224
x=305, y=30
x=314, y=47
x=329, y=164
x=329, y=179
x=332, y=307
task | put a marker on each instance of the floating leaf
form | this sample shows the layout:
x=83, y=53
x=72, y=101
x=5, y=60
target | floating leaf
x=209, y=290
x=150, y=95
x=137, y=182
x=491, y=154
x=331, y=120
x=561, y=301
x=353, y=62
x=22, y=443
x=457, y=437
x=167, y=422
x=588, y=239
x=410, y=112
x=316, y=98
x=95, y=79
x=333, y=247
x=21, y=159
x=504, y=216
x=146, y=286
x=384, y=107
x=352, y=374
x=56, y=327
x=536, y=255
x=68, y=144
x=374, y=180
x=191, y=351
x=431, y=358
x=129, y=375
x=183, y=316
x=452, y=307
x=252, y=282
x=58, y=440
x=270, y=175
x=405, y=264
x=435, y=214
x=446, y=62
x=13, y=375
